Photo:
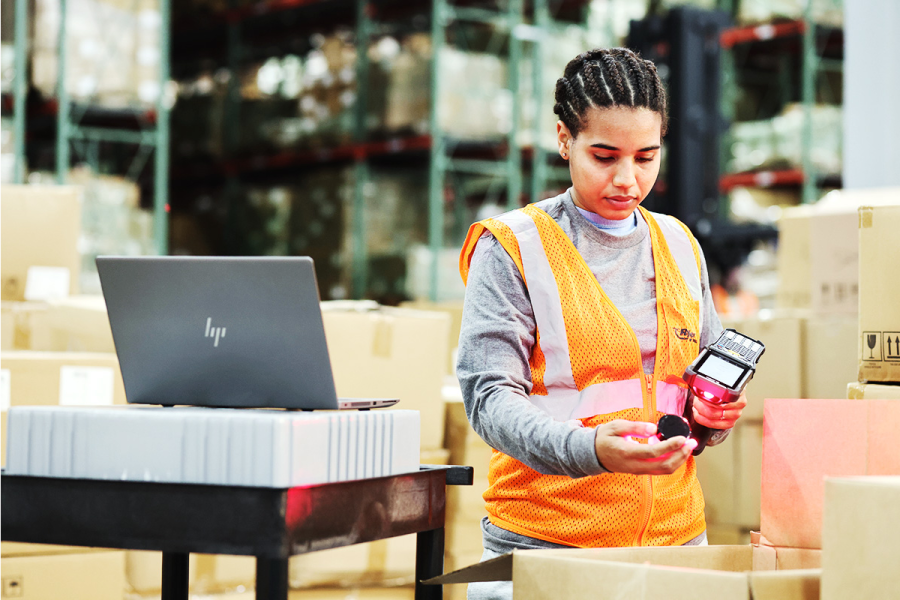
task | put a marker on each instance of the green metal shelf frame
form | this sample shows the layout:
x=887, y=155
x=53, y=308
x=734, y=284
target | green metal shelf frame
x=810, y=65
x=440, y=162
x=69, y=130
x=541, y=171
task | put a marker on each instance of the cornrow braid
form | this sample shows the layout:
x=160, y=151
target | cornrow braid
x=566, y=111
x=606, y=78
x=612, y=66
x=633, y=65
x=657, y=94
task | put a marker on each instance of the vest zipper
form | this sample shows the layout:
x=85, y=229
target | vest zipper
x=647, y=480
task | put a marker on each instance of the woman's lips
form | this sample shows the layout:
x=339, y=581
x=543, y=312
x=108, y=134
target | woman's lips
x=620, y=199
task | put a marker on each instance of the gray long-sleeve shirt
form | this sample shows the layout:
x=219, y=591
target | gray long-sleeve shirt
x=498, y=333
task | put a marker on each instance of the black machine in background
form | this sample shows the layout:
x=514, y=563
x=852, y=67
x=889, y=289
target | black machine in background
x=684, y=44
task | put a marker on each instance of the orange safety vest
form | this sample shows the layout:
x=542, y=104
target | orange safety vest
x=586, y=365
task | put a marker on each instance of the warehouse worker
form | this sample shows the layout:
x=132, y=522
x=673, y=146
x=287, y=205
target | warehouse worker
x=581, y=313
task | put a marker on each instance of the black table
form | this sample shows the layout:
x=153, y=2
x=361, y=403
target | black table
x=271, y=524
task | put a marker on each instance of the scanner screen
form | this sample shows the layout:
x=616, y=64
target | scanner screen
x=721, y=370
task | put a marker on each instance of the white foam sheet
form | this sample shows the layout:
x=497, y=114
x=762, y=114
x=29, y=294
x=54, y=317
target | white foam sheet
x=264, y=448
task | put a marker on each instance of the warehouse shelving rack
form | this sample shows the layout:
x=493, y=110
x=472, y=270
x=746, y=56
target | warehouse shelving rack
x=151, y=135
x=813, y=38
x=446, y=156
x=545, y=166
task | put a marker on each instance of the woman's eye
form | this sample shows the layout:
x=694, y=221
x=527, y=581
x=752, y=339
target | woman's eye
x=645, y=159
x=605, y=159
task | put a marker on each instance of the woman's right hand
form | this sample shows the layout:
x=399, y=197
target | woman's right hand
x=620, y=454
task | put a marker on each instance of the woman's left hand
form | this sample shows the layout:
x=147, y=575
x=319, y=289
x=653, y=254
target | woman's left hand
x=719, y=416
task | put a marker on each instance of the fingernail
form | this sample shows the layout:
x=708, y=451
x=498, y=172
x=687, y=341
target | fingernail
x=691, y=443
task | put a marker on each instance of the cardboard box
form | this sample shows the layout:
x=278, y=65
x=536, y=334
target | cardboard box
x=861, y=538
x=26, y=326
x=393, y=353
x=730, y=475
x=794, y=266
x=82, y=576
x=467, y=501
x=679, y=573
x=818, y=251
x=726, y=535
x=30, y=378
x=455, y=310
x=784, y=558
x=66, y=378
x=717, y=474
x=872, y=391
x=39, y=227
x=780, y=370
x=834, y=260
x=879, y=294
x=80, y=324
x=466, y=447
x=391, y=561
x=352, y=593
x=748, y=474
x=143, y=571
x=463, y=534
x=11, y=549
x=217, y=573
x=830, y=356
x=805, y=441
x=7, y=326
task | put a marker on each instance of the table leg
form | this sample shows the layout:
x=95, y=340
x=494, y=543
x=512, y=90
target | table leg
x=175, y=575
x=271, y=578
x=429, y=563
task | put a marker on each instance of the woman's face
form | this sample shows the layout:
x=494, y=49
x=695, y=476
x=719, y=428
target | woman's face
x=615, y=159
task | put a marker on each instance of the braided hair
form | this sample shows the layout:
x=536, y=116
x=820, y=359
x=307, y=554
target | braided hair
x=606, y=78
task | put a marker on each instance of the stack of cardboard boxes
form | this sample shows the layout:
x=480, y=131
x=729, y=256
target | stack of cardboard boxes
x=879, y=303
x=385, y=352
x=47, y=359
x=817, y=435
x=812, y=340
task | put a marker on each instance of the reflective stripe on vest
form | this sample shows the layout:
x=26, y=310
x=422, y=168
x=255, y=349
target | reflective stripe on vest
x=563, y=400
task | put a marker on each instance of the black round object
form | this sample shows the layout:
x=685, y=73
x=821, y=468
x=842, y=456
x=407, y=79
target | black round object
x=670, y=426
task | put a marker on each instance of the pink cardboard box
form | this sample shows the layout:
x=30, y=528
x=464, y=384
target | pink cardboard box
x=805, y=441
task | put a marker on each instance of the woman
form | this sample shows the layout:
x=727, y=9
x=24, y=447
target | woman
x=581, y=313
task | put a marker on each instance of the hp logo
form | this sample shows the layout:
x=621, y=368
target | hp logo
x=215, y=332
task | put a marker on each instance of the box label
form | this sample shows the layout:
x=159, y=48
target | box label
x=46, y=283
x=86, y=386
x=4, y=389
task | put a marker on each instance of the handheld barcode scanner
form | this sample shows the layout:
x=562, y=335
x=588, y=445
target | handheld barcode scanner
x=718, y=376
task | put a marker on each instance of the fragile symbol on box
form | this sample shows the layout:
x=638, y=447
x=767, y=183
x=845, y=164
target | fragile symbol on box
x=892, y=346
x=871, y=346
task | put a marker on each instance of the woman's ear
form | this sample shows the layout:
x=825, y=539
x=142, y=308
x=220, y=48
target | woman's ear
x=563, y=139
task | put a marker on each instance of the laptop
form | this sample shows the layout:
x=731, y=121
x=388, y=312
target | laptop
x=239, y=332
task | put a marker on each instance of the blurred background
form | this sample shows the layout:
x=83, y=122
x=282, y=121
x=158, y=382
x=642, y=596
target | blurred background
x=369, y=134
